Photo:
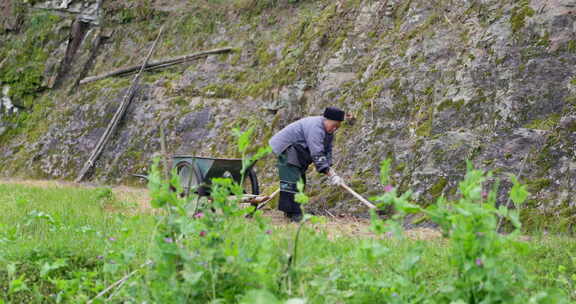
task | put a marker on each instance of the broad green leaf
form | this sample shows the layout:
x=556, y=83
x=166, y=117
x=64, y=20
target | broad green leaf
x=318, y=220
x=408, y=207
x=17, y=285
x=518, y=194
x=48, y=267
x=243, y=138
x=301, y=197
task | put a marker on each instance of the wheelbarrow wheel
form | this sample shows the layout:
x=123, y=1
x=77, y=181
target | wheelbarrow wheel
x=253, y=179
x=190, y=178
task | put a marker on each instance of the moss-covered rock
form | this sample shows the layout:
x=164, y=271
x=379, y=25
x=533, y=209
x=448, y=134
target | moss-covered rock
x=431, y=85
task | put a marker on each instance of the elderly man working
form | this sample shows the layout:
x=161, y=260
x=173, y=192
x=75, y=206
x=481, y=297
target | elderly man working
x=308, y=140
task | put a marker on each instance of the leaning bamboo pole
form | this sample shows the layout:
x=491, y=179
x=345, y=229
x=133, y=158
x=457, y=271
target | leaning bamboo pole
x=155, y=65
x=117, y=116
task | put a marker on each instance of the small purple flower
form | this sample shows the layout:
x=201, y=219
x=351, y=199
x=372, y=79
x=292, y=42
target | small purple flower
x=168, y=240
x=388, y=188
x=199, y=215
x=484, y=194
x=479, y=262
x=394, y=294
x=202, y=233
x=268, y=231
x=99, y=257
x=112, y=239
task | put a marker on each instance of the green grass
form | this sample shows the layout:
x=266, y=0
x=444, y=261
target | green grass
x=67, y=244
x=73, y=227
x=34, y=219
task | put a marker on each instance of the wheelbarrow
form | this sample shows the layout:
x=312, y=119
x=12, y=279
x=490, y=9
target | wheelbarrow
x=196, y=173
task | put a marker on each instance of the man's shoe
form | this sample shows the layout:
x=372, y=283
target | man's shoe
x=295, y=217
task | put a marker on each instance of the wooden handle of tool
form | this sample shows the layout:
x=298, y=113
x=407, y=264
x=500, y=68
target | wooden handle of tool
x=252, y=198
x=268, y=199
x=358, y=196
x=271, y=196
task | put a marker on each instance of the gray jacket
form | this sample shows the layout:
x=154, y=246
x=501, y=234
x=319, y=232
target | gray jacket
x=309, y=138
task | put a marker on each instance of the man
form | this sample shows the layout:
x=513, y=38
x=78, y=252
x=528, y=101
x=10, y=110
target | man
x=308, y=140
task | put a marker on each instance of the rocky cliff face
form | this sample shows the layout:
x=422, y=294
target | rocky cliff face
x=431, y=84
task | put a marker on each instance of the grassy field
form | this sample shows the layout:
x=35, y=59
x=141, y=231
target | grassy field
x=65, y=244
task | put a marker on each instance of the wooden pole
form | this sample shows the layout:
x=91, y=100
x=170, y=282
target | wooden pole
x=267, y=199
x=358, y=196
x=254, y=199
x=164, y=153
x=156, y=64
x=117, y=116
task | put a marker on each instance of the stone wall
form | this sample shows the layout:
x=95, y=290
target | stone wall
x=430, y=85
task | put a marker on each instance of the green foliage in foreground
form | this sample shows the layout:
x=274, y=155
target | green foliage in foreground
x=73, y=264
x=69, y=245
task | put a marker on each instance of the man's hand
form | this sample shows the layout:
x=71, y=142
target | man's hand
x=334, y=178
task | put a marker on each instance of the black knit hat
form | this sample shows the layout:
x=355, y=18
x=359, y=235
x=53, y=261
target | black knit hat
x=333, y=113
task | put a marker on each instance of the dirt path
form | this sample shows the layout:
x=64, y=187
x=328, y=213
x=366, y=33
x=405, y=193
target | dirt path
x=336, y=226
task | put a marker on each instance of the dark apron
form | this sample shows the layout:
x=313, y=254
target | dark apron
x=292, y=166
